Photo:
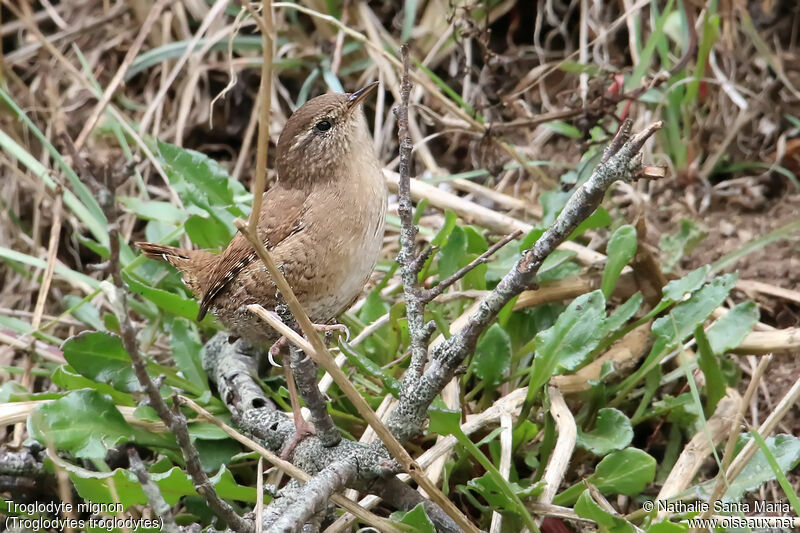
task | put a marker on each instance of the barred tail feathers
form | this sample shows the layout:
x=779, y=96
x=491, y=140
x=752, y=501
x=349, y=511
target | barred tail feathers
x=190, y=263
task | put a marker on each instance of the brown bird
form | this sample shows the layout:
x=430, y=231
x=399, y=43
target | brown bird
x=322, y=222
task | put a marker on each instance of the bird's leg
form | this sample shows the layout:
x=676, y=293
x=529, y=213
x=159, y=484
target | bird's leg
x=327, y=328
x=302, y=428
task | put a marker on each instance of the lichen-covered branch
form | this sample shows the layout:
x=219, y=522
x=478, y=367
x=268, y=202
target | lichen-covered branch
x=174, y=419
x=621, y=161
x=312, y=497
x=154, y=497
x=305, y=375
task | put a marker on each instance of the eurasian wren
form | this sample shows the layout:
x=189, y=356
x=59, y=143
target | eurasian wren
x=322, y=222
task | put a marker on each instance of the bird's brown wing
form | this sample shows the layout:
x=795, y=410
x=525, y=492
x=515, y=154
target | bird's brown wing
x=281, y=215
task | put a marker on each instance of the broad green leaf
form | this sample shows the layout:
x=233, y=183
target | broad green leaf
x=574, y=335
x=208, y=232
x=176, y=304
x=675, y=290
x=416, y=518
x=562, y=128
x=65, y=377
x=100, y=356
x=452, y=255
x=153, y=210
x=96, y=486
x=200, y=171
x=444, y=421
x=613, y=431
x=620, y=250
x=786, y=451
x=623, y=313
x=187, y=351
x=85, y=311
x=84, y=423
x=216, y=453
x=492, y=356
x=731, y=329
x=367, y=366
x=586, y=507
x=625, y=472
x=228, y=489
x=598, y=219
x=681, y=320
x=668, y=527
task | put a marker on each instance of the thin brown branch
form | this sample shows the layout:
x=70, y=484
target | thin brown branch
x=442, y=286
x=174, y=420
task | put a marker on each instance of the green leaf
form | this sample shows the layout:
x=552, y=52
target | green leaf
x=668, y=527
x=620, y=250
x=208, y=232
x=367, y=366
x=731, y=329
x=613, y=431
x=675, y=290
x=97, y=486
x=681, y=320
x=452, y=255
x=176, y=304
x=562, y=128
x=228, y=489
x=187, y=351
x=492, y=356
x=574, y=335
x=65, y=377
x=100, y=356
x=444, y=421
x=625, y=472
x=84, y=423
x=83, y=311
x=786, y=451
x=416, y=518
x=715, y=379
x=153, y=210
x=586, y=507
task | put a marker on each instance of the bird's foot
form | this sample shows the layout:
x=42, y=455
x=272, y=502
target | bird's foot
x=303, y=429
x=328, y=328
x=276, y=349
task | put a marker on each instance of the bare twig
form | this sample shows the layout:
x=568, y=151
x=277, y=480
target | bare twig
x=157, y=503
x=439, y=288
x=621, y=163
x=173, y=419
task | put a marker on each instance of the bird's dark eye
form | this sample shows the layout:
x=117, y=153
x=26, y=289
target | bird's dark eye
x=323, y=125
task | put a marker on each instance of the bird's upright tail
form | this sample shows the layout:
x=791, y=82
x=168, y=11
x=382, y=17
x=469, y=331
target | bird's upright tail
x=192, y=264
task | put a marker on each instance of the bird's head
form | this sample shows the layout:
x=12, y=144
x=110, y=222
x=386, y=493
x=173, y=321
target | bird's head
x=321, y=135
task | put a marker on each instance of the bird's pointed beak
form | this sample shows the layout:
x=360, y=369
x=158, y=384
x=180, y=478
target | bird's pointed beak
x=357, y=97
